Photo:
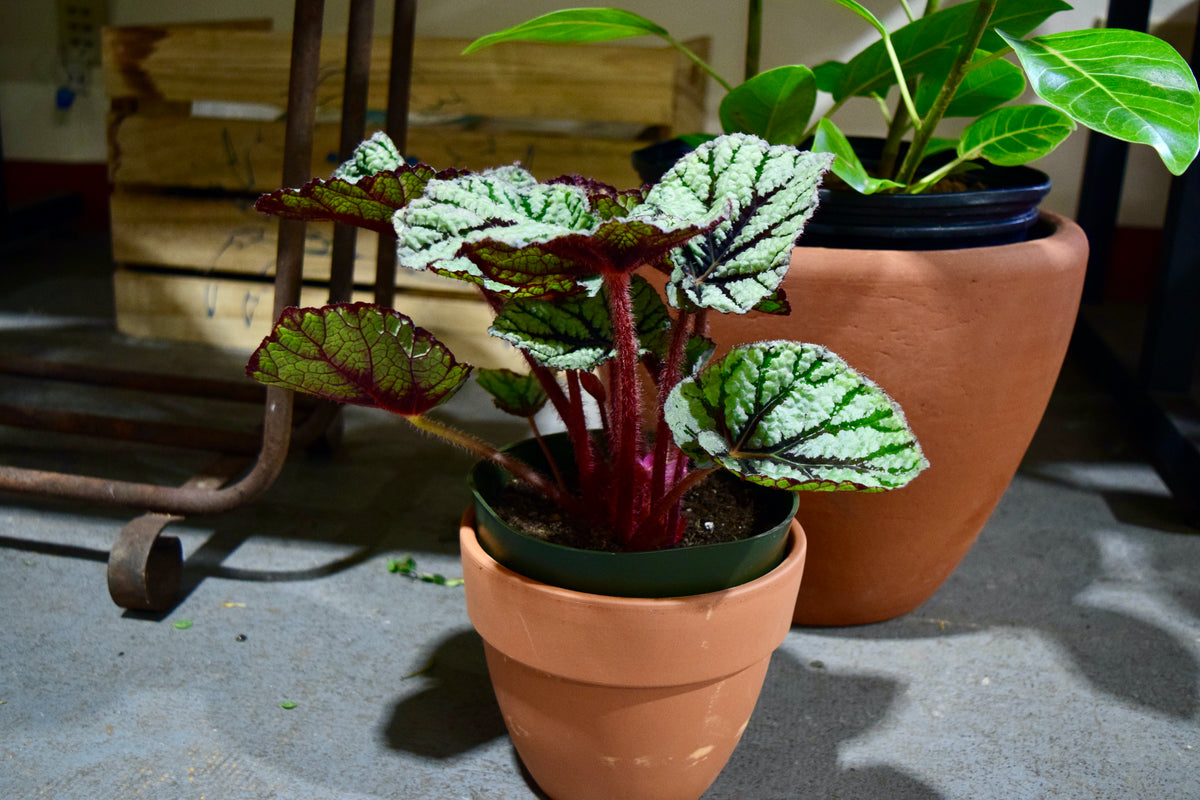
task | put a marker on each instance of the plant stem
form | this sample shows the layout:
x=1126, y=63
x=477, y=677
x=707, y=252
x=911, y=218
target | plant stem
x=698, y=61
x=753, y=37
x=626, y=404
x=926, y=127
x=671, y=499
x=899, y=125
x=537, y=435
x=664, y=445
x=519, y=469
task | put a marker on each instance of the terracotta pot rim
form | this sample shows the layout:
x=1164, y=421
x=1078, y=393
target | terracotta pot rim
x=623, y=631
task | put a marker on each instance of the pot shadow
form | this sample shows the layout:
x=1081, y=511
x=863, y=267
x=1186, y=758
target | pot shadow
x=790, y=748
x=456, y=712
x=1087, y=547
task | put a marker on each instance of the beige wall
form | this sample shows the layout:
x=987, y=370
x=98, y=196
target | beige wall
x=796, y=31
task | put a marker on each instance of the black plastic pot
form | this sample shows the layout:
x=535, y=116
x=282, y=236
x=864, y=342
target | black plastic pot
x=1003, y=213
x=674, y=572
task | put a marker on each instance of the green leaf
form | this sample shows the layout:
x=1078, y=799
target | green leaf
x=512, y=392
x=794, y=416
x=360, y=354
x=408, y=568
x=1128, y=85
x=827, y=75
x=576, y=332
x=982, y=89
x=183, y=624
x=1014, y=135
x=870, y=72
x=759, y=196
x=775, y=105
x=370, y=202
x=847, y=166
x=776, y=304
x=287, y=704
x=574, y=26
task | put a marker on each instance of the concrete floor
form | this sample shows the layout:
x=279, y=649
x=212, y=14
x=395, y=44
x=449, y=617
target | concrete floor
x=1061, y=660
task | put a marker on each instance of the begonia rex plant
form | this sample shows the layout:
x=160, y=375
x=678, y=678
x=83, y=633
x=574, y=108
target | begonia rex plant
x=562, y=264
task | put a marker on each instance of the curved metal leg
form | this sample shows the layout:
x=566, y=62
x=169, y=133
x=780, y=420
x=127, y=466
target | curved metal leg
x=144, y=569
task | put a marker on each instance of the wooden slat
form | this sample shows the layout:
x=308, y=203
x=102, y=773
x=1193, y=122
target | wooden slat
x=237, y=313
x=597, y=82
x=247, y=155
x=226, y=235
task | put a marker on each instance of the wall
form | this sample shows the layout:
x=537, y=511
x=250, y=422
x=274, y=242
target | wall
x=34, y=130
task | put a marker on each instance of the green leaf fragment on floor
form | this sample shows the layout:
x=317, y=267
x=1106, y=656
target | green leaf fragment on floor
x=408, y=567
x=288, y=704
x=183, y=624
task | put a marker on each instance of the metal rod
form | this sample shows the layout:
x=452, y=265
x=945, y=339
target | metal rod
x=354, y=123
x=404, y=21
x=277, y=415
x=1168, y=357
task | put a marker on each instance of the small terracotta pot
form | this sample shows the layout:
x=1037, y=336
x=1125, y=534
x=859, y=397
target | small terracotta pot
x=970, y=343
x=619, y=697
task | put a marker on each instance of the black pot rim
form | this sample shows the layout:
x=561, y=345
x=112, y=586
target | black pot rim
x=648, y=573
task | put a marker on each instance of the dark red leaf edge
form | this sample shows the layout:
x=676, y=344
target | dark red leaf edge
x=366, y=194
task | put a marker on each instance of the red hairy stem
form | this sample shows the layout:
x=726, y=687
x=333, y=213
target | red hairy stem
x=626, y=404
x=581, y=443
x=537, y=435
x=585, y=460
x=517, y=468
x=672, y=372
x=671, y=500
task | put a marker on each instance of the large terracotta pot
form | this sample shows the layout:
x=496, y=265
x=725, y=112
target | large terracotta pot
x=970, y=342
x=619, y=697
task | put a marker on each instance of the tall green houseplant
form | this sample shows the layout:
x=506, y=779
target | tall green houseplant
x=946, y=62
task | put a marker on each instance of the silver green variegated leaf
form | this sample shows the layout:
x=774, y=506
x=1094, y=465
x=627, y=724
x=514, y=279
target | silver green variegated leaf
x=376, y=154
x=759, y=195
x=505, y=205
x=794, y=416
x=576, y=332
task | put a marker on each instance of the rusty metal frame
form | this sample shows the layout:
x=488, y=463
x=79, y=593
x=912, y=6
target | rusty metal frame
x=144, y=568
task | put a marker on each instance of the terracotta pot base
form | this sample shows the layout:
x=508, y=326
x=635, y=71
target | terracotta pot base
x=614, y=697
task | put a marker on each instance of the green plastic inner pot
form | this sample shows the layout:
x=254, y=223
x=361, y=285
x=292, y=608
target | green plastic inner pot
x=674, y=572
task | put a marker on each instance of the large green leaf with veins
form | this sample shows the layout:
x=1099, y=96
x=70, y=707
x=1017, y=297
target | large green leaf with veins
x=574, y=25
x=794, y=416
x=775, y=105
x=361, y=354
x=759, y=195
x=870, y=72
x=576, y=332
x=1014, y=135
x=1126, y=84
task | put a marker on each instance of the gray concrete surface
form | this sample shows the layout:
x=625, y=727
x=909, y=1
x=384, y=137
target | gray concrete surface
x=1061, y=660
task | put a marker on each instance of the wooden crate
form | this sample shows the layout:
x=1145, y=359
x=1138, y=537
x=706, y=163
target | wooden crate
x=196, y=133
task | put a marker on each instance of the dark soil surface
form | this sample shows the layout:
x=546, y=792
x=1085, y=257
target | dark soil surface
x=722, y=508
